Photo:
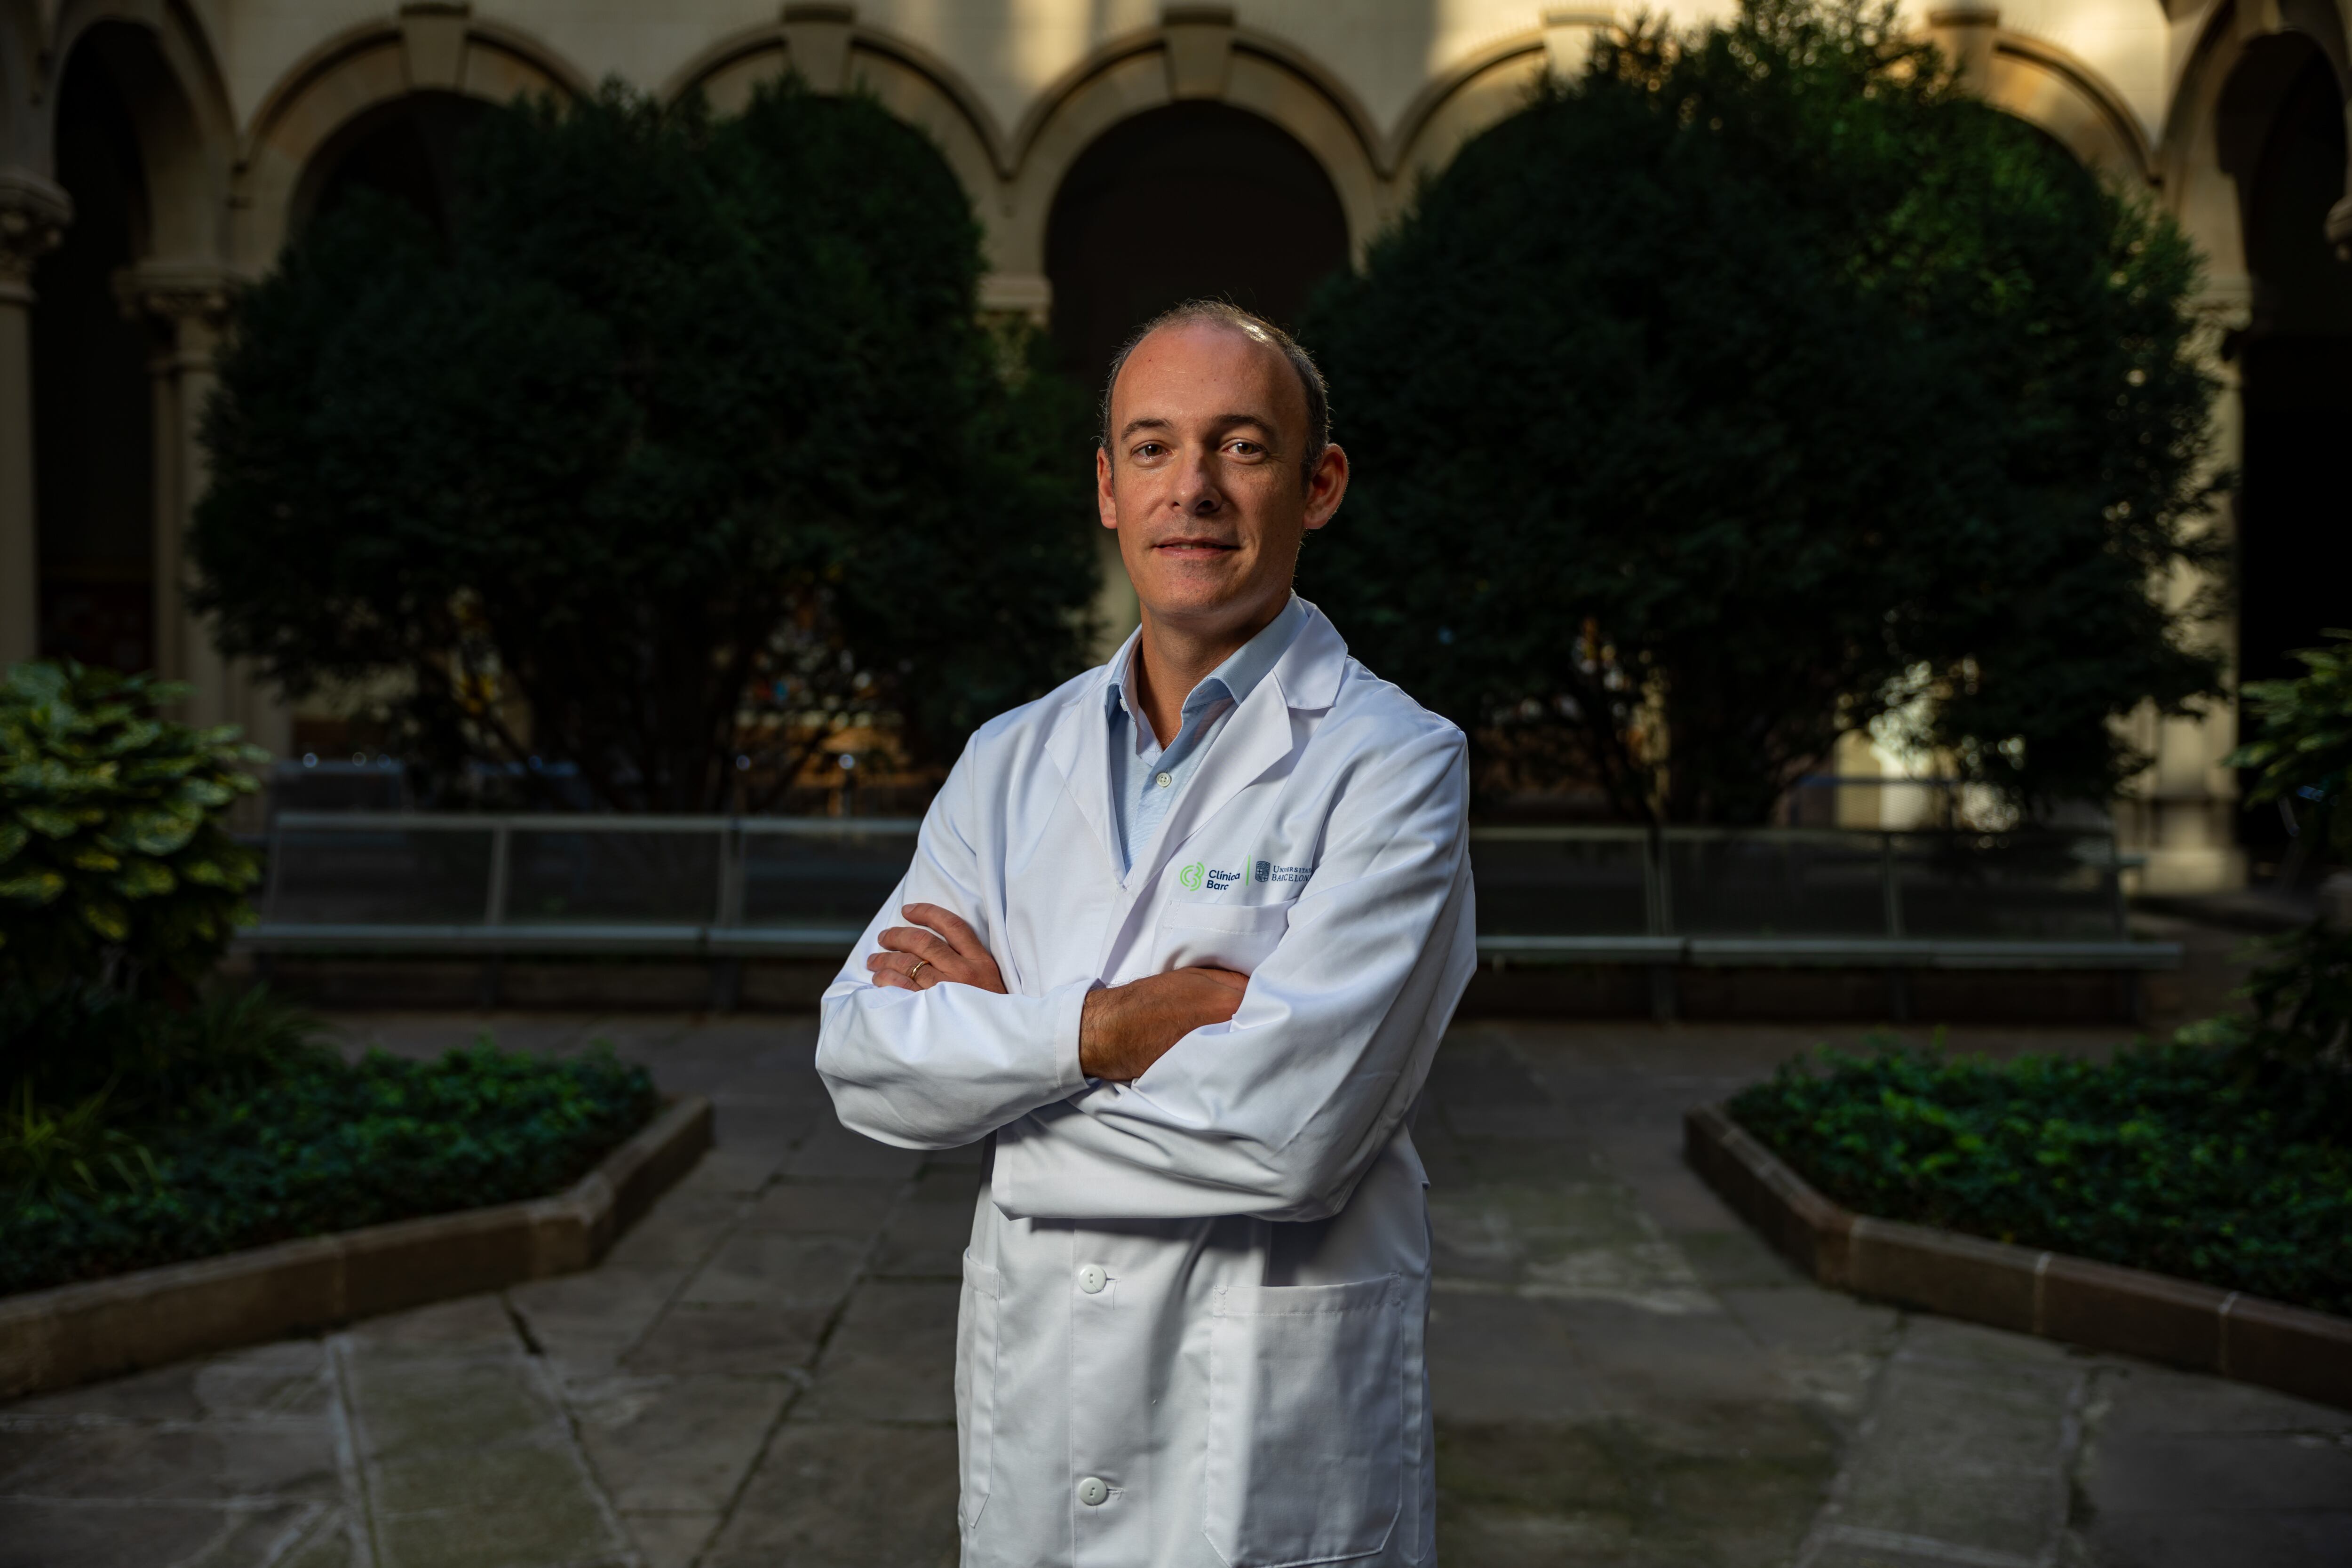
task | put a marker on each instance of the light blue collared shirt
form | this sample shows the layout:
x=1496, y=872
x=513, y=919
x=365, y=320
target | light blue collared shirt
x=1146, y=777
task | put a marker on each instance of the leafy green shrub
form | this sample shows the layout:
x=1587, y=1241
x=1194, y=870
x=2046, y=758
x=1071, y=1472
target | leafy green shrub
x=323, y=1146
x=2301, y=1027
x=115, y=865
x=2303, y=746
x=2171, y=1157
x=142, y=1057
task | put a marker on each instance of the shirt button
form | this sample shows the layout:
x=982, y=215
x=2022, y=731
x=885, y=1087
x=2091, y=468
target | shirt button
x=1164, y=779
x=1093, y=1491
x=1092, y=1278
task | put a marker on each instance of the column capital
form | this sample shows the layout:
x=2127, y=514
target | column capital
x=34, y=215
x=190, y=297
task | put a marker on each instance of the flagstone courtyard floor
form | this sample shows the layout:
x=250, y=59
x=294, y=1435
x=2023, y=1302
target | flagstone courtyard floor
x=759, y=1374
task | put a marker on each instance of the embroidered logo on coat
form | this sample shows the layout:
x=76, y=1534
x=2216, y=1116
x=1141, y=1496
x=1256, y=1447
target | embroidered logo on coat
x=1191, y=876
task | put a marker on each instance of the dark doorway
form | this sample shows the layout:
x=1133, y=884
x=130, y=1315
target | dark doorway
x=93, y=411
x=1190, y=200
x=407, y=150
x=2295, y=363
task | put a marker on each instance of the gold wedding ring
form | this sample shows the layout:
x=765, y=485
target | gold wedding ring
x=919, y=965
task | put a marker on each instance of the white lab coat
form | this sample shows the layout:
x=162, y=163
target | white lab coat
x=1191, y=1323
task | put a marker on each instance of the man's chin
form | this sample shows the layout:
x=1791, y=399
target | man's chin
x=1198, y=596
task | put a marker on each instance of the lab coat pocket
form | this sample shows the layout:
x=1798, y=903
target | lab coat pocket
x=975, y=1386
x=1225, y=936
x=1306, y=1451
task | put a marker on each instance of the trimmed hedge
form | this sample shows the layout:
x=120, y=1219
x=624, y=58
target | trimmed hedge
x=2196, y=1163
x=324, y=1145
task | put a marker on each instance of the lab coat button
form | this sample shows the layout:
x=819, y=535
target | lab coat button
x=1092, y=1491
x=1091, y=1280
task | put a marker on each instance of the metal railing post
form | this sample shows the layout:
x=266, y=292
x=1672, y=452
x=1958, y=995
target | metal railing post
x=2119, y=910
x=1890, y=886
x=726, y=974
x=1658, y=913
x=1890, y=898
x=494, y=907
x=277, y=863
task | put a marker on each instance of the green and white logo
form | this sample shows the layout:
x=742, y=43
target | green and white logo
x=1191, y=876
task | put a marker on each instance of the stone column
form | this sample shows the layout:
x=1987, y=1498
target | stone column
x=32, y=217
x=188, y=301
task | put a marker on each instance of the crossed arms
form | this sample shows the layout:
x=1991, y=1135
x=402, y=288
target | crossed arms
x=1183, y=1095
x=1122, y=1029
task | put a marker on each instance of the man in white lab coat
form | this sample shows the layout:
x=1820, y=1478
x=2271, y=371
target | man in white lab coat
x=1179, y=940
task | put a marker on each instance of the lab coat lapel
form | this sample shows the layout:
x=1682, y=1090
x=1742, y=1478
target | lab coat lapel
x=1256, y=738
x=1079, y=747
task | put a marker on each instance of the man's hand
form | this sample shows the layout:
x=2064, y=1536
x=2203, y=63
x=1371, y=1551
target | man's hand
x=1125, y=1029
x=914, y=959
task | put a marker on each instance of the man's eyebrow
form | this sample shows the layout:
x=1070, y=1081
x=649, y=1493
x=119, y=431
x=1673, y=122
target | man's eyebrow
x=1222, y=422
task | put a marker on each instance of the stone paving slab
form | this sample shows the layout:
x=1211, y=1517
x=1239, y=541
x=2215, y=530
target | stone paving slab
x=760, y=1373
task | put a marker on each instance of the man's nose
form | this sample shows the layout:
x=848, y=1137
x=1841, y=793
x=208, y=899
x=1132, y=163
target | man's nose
x=1197, y=494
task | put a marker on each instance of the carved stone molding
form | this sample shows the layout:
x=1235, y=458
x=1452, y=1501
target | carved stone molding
x=1967, y=34
x=433, y=43
x=191, y=297
x=817, y=38
x=34, y=215
x=1200, y=55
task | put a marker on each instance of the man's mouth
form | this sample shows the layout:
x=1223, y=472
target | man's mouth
x=1193, y=549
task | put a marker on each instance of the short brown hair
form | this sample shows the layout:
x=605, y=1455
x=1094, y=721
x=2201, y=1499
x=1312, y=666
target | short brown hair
x=1250, y=324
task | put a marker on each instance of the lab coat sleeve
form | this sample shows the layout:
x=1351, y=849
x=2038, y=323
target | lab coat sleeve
x=1278, y=1112
x=946, y=1066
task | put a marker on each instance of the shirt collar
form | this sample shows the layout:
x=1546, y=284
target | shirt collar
x=1236, y=679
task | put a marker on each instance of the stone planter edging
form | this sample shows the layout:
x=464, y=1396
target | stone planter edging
x=2096, y=1305
x=74, y=1333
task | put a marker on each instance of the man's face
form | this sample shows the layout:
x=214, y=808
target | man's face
x=1201, y=479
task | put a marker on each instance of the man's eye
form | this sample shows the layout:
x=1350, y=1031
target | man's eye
x=1247, y=449
x=1150, y=449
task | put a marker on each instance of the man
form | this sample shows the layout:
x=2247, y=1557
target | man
x=1180, y=940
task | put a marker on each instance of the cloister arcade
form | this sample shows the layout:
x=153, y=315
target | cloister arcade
x=156, y=153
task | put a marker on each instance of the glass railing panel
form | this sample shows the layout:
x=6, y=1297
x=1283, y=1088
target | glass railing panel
x=1776, y=883
x=385, y=875
x=612, y=876
x=1533, y=883
x=826, y=877
x=2014, y=887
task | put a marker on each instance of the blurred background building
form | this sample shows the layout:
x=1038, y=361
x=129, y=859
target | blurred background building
x=154, y=152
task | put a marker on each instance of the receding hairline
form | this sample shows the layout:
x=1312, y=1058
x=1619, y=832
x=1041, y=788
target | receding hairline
x=1252, y=328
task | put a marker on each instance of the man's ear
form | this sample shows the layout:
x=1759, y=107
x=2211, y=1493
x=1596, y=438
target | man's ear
x=1106, y=503
x=1326, y=487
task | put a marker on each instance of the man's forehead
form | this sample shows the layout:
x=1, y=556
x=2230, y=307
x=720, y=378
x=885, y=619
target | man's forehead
x=1185, y=361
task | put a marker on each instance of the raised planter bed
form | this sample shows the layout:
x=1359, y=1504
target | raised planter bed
x=75, y=1333
x=2095, y=1305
